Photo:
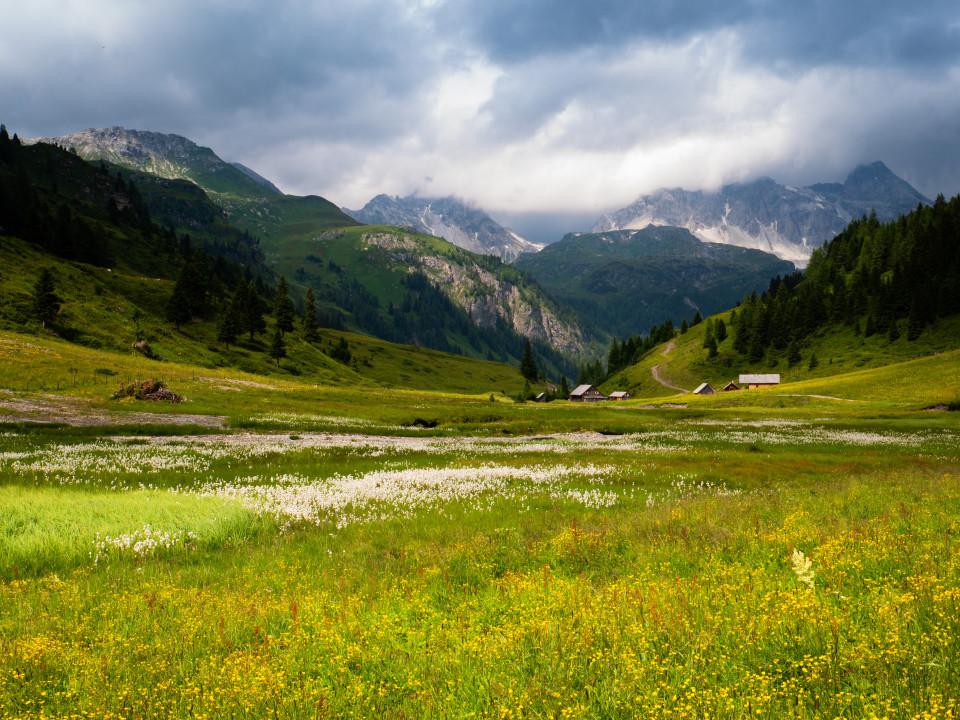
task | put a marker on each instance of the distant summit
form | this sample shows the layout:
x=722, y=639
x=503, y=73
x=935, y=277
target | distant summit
x=450, y=218
x=169, y=156
x=770, y=216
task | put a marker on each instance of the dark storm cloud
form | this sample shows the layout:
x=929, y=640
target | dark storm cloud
x=523, y=106
x=800, y=34
x=189, y=67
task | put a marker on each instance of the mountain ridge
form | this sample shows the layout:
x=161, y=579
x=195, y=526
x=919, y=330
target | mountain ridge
x=450, y=218
x=769, y=215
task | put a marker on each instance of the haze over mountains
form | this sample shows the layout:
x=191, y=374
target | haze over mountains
x=767, y=215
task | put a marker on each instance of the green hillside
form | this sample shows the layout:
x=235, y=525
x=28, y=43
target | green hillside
x=428, y=293
x=684, y=361
x=628, y=280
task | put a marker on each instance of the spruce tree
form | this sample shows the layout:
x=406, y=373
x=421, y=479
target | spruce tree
x=283, y=311
x=711, y=346
x=720, y=330
x=812, y=365
x=251, y=313
x=697, y=319
x=228, y=327
x=46, y=303
x=309, y=322
x=894, y=332
x=528, y=365
x=564, y=392
x=178, y=307
x=277, y=349
x=341, y=352
x=793, y=354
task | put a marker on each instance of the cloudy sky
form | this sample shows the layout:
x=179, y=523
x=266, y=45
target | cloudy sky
x=530, y=108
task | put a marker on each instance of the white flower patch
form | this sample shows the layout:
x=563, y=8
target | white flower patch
x=140, y=543
x=684, y=488
x=393, y=494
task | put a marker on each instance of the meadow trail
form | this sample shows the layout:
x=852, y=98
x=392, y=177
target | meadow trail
x=655, y=370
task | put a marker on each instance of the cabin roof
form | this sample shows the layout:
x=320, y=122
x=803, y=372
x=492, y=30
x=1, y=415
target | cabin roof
x=771, y=379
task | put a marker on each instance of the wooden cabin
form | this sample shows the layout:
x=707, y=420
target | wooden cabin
x=759, y=381
x=730, y=386
x=619, y=395
x=705, y=389
x=587, y=393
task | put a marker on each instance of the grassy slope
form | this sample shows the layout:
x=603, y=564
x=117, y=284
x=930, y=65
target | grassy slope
x=97, y=312
x=926, y=371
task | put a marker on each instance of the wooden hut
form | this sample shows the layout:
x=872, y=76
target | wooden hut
x=705, y=389
x=759, y=381
x=587, y=393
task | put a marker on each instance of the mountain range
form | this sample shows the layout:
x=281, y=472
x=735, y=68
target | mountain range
x=770, y=216
x=449, y=218
x=397, y=284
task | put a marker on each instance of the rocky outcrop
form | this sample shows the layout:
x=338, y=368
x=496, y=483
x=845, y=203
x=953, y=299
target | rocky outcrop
x=486, y=297
x=449, y=218
x=767, y=215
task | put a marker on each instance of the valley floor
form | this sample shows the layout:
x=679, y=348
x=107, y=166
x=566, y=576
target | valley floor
x=323, y=559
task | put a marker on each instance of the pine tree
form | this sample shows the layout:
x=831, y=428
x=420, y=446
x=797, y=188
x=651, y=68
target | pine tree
x=893, y=333
x=46, y=304
x=708, y=337
x=812, y=365
x=228, y=327
x=528, y=365
x=684, y=327
x=251, y=313
x=697, y=319
x=178, y=307
x=283, y=311
x=564, y=392
x=341, y=352
x=711, y=346
x=309, y=322
x=793, y=354
x=720, y=330
x=277, y=349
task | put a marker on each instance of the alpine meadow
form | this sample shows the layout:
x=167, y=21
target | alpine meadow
x=259, y=459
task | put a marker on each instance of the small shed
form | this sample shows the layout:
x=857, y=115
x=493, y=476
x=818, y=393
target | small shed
x=730, y=386
x=758, y=381
x=619, y=395
x=542, y=397
x=705, y=389
x=587, y=393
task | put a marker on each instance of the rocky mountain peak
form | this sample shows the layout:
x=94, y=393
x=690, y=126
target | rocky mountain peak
x=450, y=218
x=768, y=215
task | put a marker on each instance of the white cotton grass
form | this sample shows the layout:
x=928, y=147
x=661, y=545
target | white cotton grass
x=400, y=494
x=803, y=568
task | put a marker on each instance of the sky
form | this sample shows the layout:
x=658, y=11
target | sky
x=542, y=112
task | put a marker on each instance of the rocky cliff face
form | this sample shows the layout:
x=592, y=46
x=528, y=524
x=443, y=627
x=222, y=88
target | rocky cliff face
x=767, y=215
x=487, y=296
x=449, y=218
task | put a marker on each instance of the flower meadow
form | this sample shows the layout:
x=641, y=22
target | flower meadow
x=700, y=568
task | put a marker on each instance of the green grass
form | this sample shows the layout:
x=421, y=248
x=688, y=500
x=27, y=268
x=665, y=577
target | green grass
x=45, y=529
x=678, y=600
x=97, y=316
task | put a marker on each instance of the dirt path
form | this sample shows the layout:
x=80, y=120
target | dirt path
x=78, y=412
x=655, y=371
